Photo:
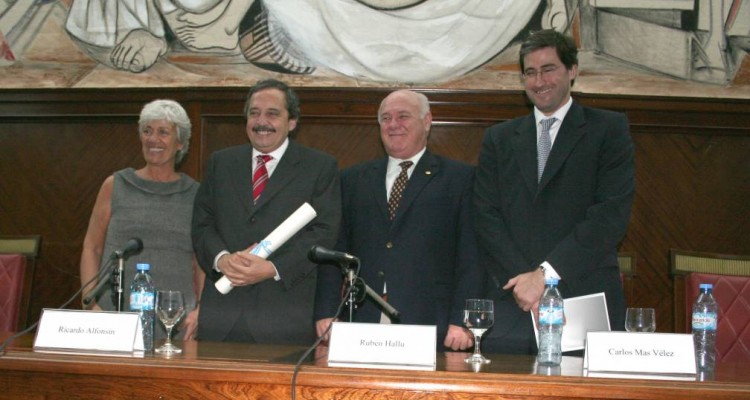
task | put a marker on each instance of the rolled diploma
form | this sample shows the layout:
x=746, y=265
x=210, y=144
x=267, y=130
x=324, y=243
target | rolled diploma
x=304, y=214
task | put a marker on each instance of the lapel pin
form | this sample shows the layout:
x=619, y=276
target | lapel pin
x=428, y=172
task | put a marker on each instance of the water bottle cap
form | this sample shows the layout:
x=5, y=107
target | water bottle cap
x=142, y=266
x=705, y=286
x=550, y=281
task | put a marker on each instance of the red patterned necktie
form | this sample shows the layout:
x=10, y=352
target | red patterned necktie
x=260, y=177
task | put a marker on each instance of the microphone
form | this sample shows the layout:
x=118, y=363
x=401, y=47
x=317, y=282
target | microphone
x=321, y=255
x=133, y=247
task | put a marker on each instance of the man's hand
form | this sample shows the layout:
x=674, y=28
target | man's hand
x=458, y=338
x=321, y=326
x=243, y=268
x=527, y=289
x=190, y=325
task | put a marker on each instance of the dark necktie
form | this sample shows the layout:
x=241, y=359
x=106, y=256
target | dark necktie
x=260, y=177
x=398, y=188
x=544, y=146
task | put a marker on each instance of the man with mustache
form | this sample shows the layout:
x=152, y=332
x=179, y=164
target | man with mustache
x=247, y=191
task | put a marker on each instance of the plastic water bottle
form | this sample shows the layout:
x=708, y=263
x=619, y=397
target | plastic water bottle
x=705, y=320
x=550, y=325
x=142, y=301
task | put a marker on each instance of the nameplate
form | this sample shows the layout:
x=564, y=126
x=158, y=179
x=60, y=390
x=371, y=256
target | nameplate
x=631, y=352
x=77, y=331
x=382, y=346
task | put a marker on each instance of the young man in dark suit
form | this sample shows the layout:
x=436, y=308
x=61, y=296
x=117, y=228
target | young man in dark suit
x=553, y=197
x=421, y=250
x=247, y=191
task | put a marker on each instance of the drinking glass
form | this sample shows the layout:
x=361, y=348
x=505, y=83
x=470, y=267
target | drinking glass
x=478, y=317
x=640, y=320
x=170, y=307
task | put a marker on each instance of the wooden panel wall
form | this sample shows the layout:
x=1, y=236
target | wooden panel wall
x=57, y=146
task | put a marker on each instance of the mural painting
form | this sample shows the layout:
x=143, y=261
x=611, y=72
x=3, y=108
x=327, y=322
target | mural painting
x=699, y=47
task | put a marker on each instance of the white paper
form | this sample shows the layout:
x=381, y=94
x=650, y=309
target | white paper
x=583, y=314
x=623, y=375
x=383, y=346
x=304, y=214
x=89, y=332
x=640, y=352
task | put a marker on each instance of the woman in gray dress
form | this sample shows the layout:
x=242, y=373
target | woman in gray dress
x=153, y=203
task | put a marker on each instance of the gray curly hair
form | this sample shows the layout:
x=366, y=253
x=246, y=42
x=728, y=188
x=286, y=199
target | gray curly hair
x=172, y=112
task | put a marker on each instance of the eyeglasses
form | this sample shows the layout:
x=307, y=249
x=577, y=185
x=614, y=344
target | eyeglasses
x=546, y=70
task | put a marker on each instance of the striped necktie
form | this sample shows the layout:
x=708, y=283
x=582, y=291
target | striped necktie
x=544, y=146
x=260, y=177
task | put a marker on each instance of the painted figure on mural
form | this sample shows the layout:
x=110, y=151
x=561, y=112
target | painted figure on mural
x=408, y=41
x=425, y=40
x=130, y=35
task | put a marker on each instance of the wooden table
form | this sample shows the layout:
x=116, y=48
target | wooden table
x=240, y=371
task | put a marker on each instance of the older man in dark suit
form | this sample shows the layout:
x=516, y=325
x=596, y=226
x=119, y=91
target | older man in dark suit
x=247, y=191
x=553, y=192
x=419, y=250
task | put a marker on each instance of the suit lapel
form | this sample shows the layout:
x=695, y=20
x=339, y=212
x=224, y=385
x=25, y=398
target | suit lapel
x=524, y=148
x=243, y=166
x=427, y=167
x=568, y=136
x=376, y=177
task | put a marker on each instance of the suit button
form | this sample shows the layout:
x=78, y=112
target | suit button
x=389, y=245
x=252, y=219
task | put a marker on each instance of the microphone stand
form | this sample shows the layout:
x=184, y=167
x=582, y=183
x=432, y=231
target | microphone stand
x=359, y=288
x=119, y=282
x=352, y=284
x=118, y=296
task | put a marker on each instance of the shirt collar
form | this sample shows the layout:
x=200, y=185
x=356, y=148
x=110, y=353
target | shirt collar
x=393, y=163
x=276, y=154
x=559, y=114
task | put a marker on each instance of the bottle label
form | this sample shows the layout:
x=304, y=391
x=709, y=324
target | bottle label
x=704, y=321
x=141, y=301
x=551, y=315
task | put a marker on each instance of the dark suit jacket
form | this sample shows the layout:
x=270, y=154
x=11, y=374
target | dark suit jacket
x=574, y=218
x=225, y=218
x=426, y=255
